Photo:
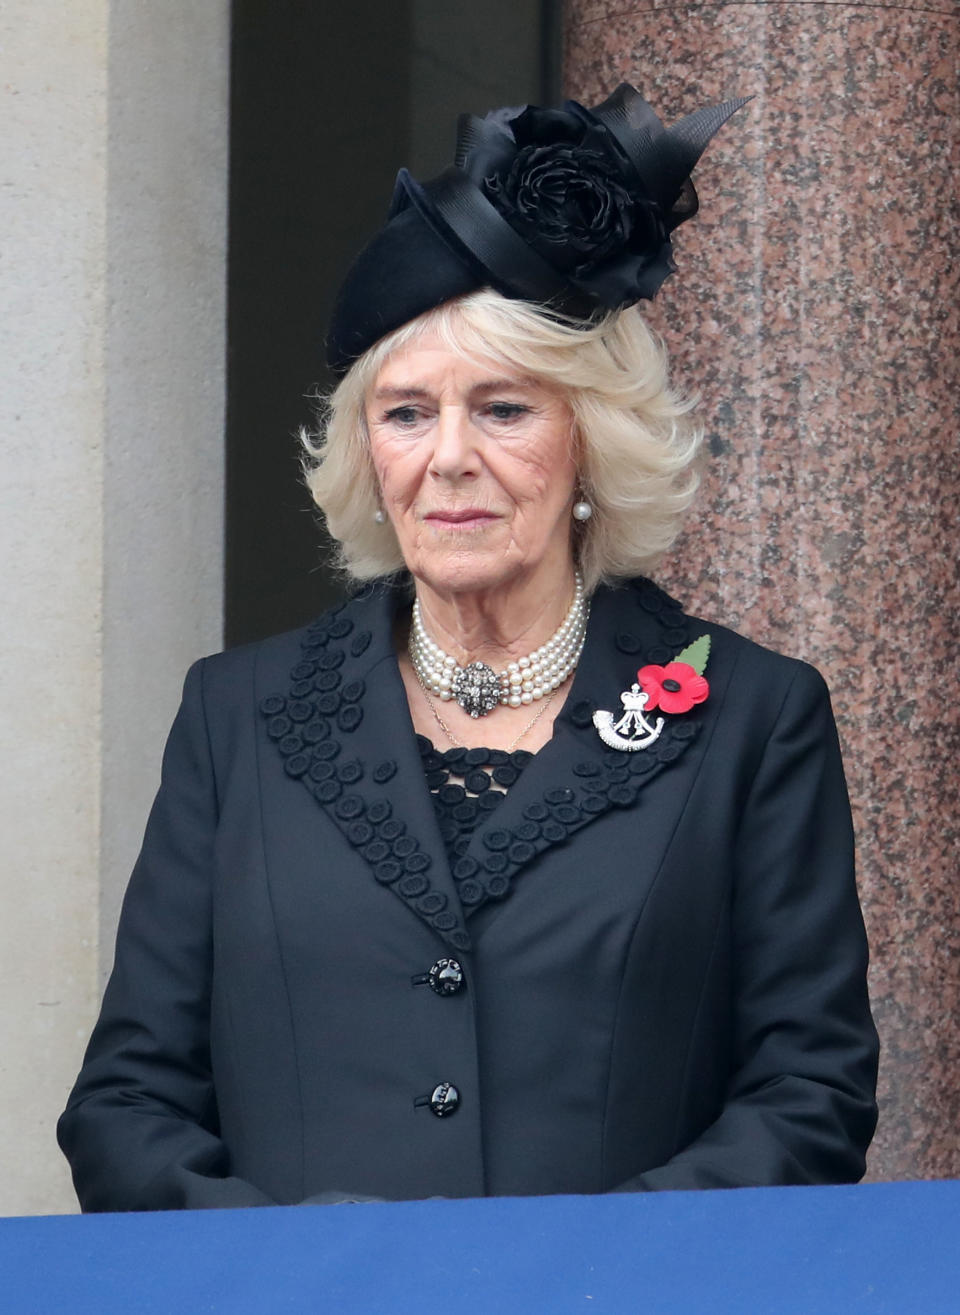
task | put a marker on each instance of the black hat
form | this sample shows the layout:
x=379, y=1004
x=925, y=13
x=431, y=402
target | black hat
x=571, y=209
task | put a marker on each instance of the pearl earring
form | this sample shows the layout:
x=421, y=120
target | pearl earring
x=380, y=516
x=582, y=511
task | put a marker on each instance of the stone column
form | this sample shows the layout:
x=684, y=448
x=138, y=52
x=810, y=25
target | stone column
x=113, y=165
x=817, y=312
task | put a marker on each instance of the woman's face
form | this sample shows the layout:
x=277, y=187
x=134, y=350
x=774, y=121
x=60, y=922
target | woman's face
x=476, y=467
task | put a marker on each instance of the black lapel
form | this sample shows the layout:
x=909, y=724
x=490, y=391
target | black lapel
x=343, y=727
x=344, y=731
x=576, y=778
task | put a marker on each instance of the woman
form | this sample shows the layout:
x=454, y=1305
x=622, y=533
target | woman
x=537, y=885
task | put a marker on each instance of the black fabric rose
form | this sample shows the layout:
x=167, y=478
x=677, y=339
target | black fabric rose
x=568, y=203
x=561, y=181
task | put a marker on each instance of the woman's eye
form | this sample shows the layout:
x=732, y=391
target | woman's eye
x=403, y=415
x=506, y=410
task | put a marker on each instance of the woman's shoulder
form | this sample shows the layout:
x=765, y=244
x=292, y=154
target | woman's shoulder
x=344, y=634
x=753, y=665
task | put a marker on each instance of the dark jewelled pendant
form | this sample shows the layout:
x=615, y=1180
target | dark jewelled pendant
x=476, y=688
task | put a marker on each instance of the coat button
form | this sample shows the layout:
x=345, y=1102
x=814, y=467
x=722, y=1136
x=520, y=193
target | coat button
x=444, y=1099
x=446, y=977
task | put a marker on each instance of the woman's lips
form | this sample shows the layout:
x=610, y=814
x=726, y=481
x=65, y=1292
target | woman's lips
x=468, y=518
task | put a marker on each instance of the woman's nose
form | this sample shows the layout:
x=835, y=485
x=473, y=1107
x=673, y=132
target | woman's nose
x=455, y=455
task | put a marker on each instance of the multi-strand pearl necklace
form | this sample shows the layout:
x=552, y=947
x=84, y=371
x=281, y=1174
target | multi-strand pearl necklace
x=478, y=689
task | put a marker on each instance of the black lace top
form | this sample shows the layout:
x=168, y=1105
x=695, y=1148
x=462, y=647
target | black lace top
x=467, y=785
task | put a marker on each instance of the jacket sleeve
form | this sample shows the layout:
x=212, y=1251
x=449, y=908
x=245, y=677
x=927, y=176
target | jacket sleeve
x=800, y=1106
x=140, y=1127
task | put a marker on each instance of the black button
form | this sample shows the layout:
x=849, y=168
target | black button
x=563, y=795
x=675, y=635
x=446, y=977
x=350, y=717
x=471, y=892
x=497, y=840
x=444, y=1099
x=299, y=710
x=349, y=807
x=359, y=833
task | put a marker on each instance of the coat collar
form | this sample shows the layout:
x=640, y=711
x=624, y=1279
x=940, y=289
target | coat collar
x=344, y=732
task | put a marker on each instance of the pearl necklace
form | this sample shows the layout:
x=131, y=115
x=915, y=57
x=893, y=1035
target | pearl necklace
x=478, y=689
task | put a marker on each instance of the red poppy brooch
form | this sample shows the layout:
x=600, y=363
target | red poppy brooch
x=674, y=688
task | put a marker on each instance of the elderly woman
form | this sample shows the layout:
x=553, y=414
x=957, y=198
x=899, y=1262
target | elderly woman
x=506, y=876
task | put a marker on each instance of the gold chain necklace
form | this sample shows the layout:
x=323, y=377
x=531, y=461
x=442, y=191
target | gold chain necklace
x=459, y=743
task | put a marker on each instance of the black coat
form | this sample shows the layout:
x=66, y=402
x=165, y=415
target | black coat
x=663, y=955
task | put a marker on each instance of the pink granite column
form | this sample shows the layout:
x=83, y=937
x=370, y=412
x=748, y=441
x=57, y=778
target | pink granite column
x=817, y=312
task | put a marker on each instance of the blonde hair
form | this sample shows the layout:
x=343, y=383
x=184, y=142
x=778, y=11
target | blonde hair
x=637, y=451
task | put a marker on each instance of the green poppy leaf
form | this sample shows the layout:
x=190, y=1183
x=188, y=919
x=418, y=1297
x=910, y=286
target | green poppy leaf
x=695, y=655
